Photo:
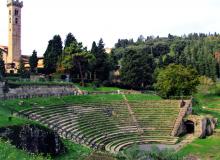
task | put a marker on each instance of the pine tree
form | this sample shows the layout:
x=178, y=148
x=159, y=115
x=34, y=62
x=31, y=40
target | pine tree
x=78, y=58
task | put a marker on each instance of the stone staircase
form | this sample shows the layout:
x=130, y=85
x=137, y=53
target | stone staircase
x=179, y=119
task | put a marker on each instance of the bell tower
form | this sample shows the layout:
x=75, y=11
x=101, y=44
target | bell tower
x=14, y=32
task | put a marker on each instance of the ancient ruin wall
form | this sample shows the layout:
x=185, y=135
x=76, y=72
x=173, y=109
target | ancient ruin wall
x=30, y=91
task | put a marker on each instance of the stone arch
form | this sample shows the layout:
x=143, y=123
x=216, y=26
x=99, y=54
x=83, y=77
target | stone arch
x=190, y=126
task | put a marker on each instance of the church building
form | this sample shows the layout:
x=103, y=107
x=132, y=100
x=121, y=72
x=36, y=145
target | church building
x=12, y=53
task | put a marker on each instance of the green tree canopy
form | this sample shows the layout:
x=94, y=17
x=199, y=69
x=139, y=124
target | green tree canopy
x=78, y=57
x=137, y=68
x=176, y=80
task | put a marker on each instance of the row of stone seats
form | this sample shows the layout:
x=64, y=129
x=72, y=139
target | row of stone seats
x=86, y=123
x=117, y=145
x=85, y=127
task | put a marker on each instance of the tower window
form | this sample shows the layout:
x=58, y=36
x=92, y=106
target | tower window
x=16, y=20
x=9, y=12
x=16, y=12
x=10, y=20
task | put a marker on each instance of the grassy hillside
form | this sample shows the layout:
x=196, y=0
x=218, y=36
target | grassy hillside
x=75, y=151
x=20, y=104
x=206, y=104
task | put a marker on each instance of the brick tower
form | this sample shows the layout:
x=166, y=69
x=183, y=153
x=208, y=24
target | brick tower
x=14, y=34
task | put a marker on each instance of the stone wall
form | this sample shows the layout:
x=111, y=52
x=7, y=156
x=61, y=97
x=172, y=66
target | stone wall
x=31, y=91
x=1, y=88
x=185, y=109
x=204, y=125
x=34, y=139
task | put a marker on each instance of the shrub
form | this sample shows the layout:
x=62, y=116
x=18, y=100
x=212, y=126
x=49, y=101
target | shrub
x=176, y=80
x=63, y=77
x=217, y=91
x=97, y=84
x=41, y=79
x=100, y=156
x=206, y=84
x=106, y=83
x=134, y=153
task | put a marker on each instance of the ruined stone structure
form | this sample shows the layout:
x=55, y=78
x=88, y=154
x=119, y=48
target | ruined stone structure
x=202, y=125
x=34, y=139
x=186, y=122
x=31, y=91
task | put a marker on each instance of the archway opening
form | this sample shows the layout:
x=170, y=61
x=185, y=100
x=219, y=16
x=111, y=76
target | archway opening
x=190, y=127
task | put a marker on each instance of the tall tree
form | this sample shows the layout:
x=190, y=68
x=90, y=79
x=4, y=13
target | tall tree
x=52, y=54
x=2, y=65
x=33, y=61
x=101, y=66
x=21, y=69
x=69, y=39
x=94, y=48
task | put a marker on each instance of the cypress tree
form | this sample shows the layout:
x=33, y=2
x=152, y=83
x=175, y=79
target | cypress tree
x=69, y=39
x=52, y=54
x=101, y=66
x=2, y=65
x=33, y=61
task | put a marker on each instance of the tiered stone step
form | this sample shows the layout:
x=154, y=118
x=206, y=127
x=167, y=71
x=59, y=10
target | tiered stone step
x=109, y=125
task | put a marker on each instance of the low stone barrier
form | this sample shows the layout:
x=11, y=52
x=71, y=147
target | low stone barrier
x=25, y=92
x=1, y=88
x=27, y=96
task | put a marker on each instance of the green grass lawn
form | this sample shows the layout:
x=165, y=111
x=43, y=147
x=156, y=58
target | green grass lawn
x=21, y=104
x=142, y=97
x=204, y=148
x=10, y=152
x=4, y=121
x=74, y=152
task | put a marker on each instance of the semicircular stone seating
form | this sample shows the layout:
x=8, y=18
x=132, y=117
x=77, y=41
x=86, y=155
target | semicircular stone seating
x=110, y=125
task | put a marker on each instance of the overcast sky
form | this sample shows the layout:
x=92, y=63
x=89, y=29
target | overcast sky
x=89, y=20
